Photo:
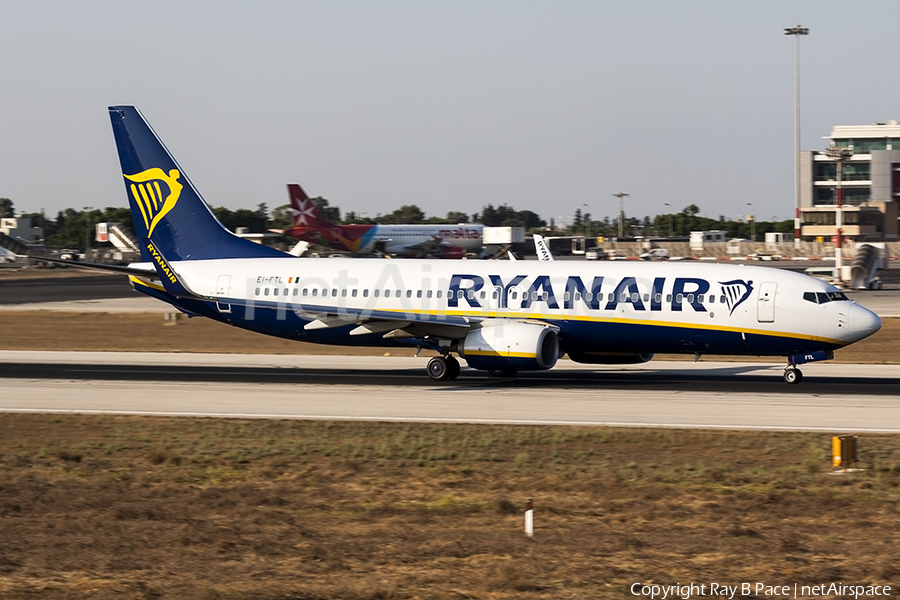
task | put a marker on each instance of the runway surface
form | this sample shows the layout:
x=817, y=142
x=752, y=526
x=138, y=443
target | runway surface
x=837, y=398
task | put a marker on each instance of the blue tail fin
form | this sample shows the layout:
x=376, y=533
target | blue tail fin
x=165, y=206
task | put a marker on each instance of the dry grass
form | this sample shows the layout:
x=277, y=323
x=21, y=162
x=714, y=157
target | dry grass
x=127, y=507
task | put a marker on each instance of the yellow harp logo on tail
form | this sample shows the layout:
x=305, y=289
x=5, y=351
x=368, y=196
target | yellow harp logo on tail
x=149, y=195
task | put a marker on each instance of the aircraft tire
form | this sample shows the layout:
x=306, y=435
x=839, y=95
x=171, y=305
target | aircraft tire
x=453, y=367
x=503, y=372
x=438, y=368
x=793, y=375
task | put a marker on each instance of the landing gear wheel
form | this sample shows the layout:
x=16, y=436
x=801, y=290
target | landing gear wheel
x=793, y=375
x=438, y=368
x=453, y=367
x=503, y=372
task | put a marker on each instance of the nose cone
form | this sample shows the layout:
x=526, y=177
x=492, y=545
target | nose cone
x=863, y=322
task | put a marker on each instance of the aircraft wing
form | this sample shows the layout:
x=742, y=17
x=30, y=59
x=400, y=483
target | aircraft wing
x=428, y=245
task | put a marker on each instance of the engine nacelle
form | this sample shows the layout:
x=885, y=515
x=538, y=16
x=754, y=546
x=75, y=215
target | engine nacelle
x=511, y=345
x=594, y=357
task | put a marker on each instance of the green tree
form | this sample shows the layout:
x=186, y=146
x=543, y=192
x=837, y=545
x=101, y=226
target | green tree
x=282, y=217
x=332, y=214
x=408, y=213
x=6, y=208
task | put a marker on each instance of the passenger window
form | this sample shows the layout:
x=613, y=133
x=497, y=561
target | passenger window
x=590, y=296
x=646, y=297
x=495, y=294
x=409, y=293
x=460, y=294
x=545, y=296
x=668, y=297
x=418, y=293
x=315, y=291
x=286, y=293
x=722, y=298
x=483, y=294
x=514, y=295
x=635, y=297
x=439, y=293
x=577, y=295
x=376, y=293
x=296, y=291
x=305, y=291
x=334, y=292
x=366, y=293
x=810, y=297
x=344, y=293
x=353, y=292
x=275, y=292
x=471, y=295
x=658, y=297
x=266, y=291
x=428, y=293
x=679, y=299
x=257, y=291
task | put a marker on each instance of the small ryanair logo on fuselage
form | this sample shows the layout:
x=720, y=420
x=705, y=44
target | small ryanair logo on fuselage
x=149, y=196
x=164, y=268
x=736, y=292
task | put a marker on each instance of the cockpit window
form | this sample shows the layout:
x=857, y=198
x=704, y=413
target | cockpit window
x=824, y=297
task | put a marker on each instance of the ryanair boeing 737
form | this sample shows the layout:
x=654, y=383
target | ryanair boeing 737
x=498, y=316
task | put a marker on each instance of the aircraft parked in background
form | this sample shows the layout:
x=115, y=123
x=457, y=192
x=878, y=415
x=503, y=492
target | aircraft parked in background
x=439, y=241
x=499, y=316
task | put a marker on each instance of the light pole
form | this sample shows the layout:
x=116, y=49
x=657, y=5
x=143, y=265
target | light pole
x=620, y=196
x=669, y=210
x=87, y=231
x=840, y=155
x=797, y=31
x=752, y=218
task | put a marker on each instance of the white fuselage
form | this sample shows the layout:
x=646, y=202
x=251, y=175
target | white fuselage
x=648, y=298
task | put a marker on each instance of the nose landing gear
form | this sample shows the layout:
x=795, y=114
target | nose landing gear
x=443, y=368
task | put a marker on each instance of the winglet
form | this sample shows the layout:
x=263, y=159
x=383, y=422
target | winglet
x=540, y=246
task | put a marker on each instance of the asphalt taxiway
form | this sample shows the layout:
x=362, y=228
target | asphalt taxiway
x=835, y=398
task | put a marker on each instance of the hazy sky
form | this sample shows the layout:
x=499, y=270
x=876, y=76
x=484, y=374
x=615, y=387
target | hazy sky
x=447, y=105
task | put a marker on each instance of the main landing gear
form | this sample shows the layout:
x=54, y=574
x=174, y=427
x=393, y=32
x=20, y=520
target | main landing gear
x=442, y=368
x=793, y=374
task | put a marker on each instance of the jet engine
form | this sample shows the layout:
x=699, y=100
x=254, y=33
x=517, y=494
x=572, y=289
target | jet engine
x=511, y=346
x=593, y=357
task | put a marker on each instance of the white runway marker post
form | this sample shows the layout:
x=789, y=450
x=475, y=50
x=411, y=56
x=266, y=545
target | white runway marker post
x=529, y=518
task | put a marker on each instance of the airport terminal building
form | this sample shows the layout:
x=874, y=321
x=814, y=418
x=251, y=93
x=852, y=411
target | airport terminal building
x=870, y=182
